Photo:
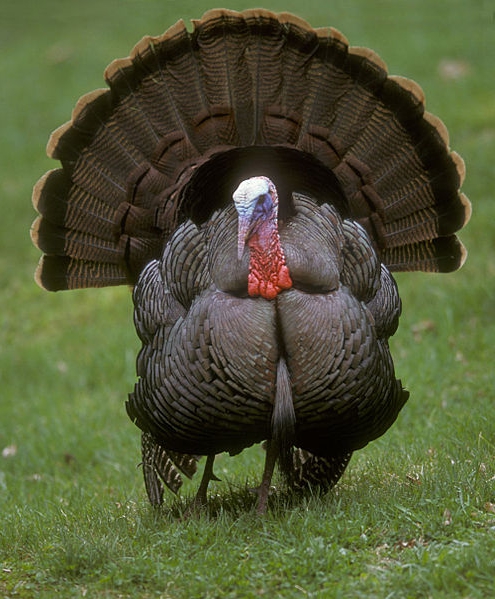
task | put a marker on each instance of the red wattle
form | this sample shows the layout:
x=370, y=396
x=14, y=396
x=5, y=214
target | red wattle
x=268, y=282
x=268, y=272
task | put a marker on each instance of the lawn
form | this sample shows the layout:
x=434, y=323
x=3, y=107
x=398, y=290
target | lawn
x=414, y=515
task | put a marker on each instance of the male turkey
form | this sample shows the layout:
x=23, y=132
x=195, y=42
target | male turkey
x=256, y=181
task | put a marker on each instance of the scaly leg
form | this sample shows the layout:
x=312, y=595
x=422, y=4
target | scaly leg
x=200, y=499
x=272, y=450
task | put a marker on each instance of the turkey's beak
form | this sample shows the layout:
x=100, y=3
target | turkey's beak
x=243, y=231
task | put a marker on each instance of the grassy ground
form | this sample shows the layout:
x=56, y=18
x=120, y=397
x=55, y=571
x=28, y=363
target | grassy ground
x=414, y=516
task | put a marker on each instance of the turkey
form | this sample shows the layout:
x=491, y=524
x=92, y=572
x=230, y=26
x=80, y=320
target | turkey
x=255, y=181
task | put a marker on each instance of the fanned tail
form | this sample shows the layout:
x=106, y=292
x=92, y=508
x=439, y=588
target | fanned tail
x=188, y=115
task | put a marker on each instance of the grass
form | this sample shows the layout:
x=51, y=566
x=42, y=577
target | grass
x=414, y=516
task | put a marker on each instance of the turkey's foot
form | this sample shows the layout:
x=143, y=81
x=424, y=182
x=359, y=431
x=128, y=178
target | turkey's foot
x=200, y=499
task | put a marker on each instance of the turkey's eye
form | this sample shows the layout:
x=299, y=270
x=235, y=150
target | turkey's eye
x=263, y=208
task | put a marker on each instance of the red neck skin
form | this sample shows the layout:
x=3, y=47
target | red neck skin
x=268, y=272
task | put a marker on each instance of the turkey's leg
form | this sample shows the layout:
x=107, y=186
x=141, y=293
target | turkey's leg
x=272, y=449
x=208, y=475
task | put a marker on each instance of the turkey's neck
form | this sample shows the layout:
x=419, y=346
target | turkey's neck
x=268, y=272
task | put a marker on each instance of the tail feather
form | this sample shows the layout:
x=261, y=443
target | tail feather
x=161, y=81
x=444, y=254
x=69, y=208
x=68, y=141
x=226, y=80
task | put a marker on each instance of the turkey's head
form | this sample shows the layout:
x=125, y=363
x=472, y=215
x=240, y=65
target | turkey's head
x=256, y=202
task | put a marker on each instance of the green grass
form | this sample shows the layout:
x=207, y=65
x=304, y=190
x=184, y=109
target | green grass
x=414, y=516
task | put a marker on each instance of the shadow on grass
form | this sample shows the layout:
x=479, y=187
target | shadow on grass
x=241, y=500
